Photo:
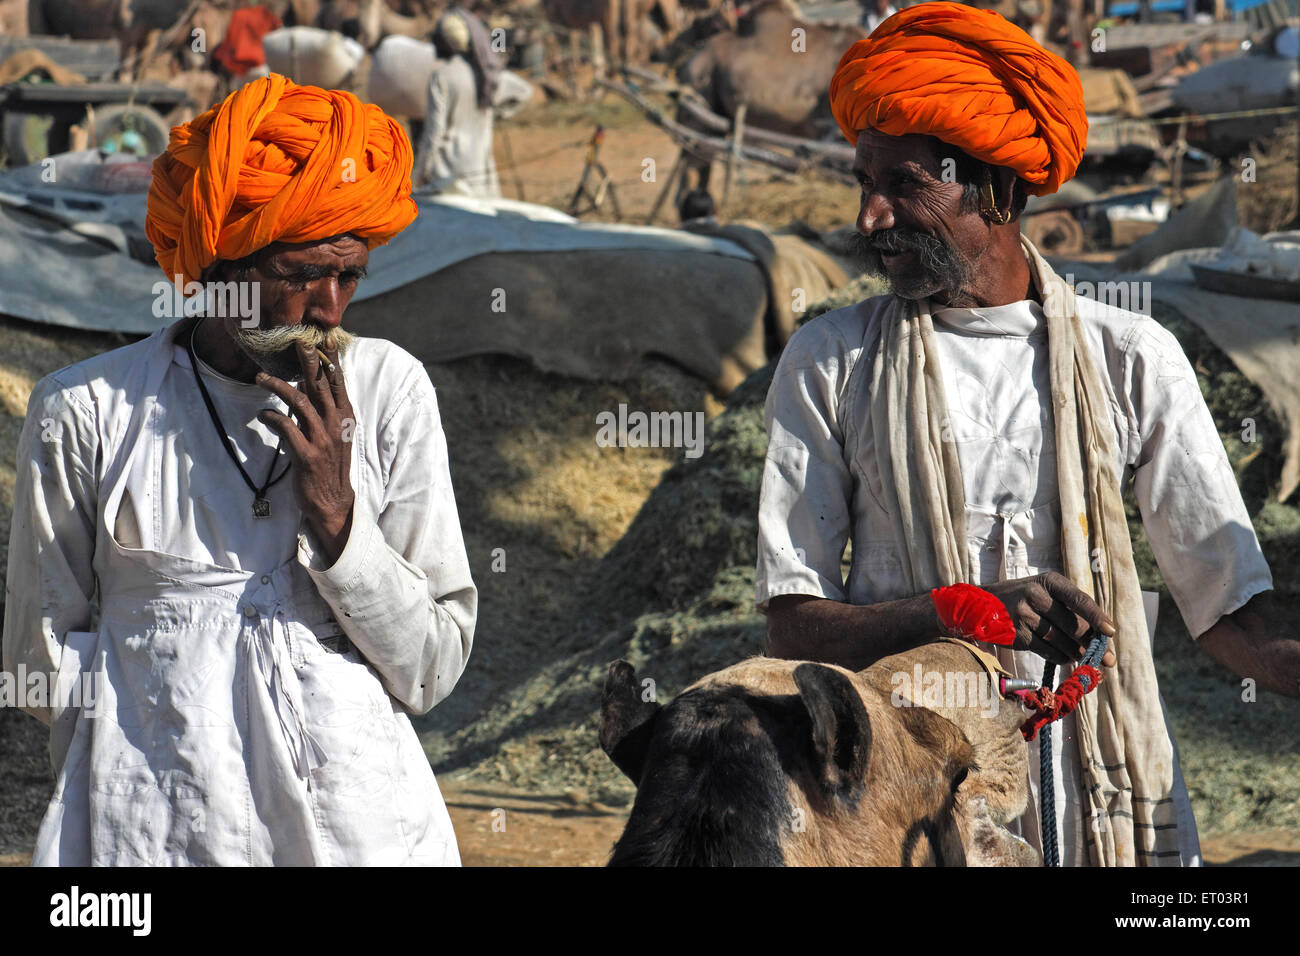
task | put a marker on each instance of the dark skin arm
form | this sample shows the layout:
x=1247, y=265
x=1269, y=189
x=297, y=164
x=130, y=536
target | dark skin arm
x=1258, y=641
x=1052, y=618
x=805, y=628
x=322, y=455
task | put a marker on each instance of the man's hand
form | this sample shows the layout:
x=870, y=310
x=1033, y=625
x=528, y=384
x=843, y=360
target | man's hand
x=320, y=443
x=1053, y=617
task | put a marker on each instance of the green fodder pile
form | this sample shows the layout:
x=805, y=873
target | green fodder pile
x=540, y=502
x=815, y=199
x=675, y=598
x=1240, y=751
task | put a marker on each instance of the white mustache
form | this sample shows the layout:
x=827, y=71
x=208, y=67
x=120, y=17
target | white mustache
x=275, y=340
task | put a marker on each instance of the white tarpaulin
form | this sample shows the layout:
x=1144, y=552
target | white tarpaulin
x=450, y=229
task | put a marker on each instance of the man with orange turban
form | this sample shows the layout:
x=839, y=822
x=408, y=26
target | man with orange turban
x=279, y=568
x=978, y=425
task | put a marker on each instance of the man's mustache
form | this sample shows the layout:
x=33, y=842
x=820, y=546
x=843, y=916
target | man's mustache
x=898, y=240
x=275, y=340
x=938, y=265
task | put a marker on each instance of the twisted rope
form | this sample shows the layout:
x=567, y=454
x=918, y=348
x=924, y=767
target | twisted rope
x=1050, y=706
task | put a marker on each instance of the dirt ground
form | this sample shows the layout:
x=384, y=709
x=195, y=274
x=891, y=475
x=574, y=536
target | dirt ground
x=508, y=827
x=540, y=156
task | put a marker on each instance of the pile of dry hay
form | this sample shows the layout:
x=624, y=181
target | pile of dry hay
x=1274, y=203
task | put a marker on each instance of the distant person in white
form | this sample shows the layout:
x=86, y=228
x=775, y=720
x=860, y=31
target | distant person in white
x=875, y=12
x=455, y=147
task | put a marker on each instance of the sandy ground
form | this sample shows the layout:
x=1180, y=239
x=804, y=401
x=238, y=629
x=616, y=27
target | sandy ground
x=504, y=827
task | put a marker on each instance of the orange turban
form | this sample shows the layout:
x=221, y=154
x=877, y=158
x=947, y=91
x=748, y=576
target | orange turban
x=972, y=79
x=277, y=162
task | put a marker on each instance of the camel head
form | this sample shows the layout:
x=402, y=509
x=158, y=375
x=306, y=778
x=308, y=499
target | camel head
x=774, y=762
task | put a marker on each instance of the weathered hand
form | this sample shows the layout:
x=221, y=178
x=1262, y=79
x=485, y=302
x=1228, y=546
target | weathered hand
x=1053, y=617
x=320, y=443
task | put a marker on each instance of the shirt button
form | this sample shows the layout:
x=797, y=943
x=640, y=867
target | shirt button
x=250, y=611
x=266, y=579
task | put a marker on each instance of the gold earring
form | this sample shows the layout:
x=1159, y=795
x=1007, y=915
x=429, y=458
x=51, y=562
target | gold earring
x=991, y=210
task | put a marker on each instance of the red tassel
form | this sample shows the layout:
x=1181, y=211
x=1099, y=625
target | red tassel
x=973, y=614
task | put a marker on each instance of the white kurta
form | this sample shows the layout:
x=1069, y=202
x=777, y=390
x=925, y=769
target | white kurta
x=250, y=701
x=822, y=486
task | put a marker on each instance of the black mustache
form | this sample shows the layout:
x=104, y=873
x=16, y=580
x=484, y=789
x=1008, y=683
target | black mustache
x=894, y=241
x=936, y=258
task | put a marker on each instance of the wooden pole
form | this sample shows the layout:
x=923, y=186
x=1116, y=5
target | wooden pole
x=572, y=66
x=1180, y=150
x=835, y=159
x=669, y=183
x=733, y=157
x=1079, y=43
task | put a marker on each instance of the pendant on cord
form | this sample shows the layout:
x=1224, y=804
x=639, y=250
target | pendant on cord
x=261, y=505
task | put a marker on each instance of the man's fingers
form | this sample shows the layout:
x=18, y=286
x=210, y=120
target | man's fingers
x=299, y=404
x=1052, y=646
x=1061, y=589
x=1067, y=622
x=329, y=392
x=329, y=361
x=338, y=387
x=1058, y=630
x=1060, y=638
x=1060, y=641
x=315, y=382
x=1041, y=637
x=285, y=427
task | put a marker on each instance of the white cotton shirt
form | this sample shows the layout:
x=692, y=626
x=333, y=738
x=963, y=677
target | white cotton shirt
x=822, y=486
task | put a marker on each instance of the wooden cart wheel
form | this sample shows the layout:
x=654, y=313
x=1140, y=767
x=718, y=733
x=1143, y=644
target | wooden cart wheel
x=1054, y=233
x=134, y=129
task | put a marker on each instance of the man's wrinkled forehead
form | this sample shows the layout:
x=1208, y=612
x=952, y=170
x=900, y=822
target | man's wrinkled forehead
x=345, y=250
x=878, y=151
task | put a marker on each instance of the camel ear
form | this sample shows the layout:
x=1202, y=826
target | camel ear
x=841, y=731
x=627, y=721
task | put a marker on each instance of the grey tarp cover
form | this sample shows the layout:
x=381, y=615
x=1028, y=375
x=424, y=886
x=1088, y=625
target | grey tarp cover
x=75, y=272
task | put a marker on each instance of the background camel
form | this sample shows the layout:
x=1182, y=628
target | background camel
x=774, y=62
x=620, y=28
x=78, y=19
x=377, y=19
x=782, y=76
